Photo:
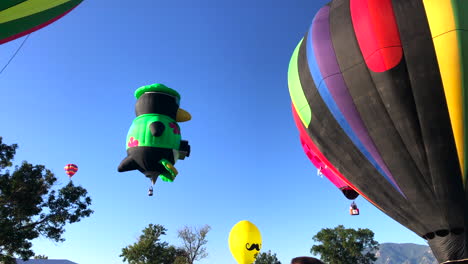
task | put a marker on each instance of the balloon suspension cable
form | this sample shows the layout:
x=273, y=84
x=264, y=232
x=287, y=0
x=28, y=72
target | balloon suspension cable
x=14, y=55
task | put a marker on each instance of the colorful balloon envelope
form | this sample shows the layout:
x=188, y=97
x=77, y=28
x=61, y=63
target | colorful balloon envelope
x=245, y=242
x=379, y=87
x=71, y=169
x=21, y=17
x=154, y=141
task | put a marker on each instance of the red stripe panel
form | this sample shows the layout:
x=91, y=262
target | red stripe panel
x=377, y=33
x=71, y=168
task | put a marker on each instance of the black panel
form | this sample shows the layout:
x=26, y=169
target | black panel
x=157, y=103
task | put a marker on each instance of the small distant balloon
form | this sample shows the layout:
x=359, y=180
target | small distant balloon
x=245, y=242
x=71, y=169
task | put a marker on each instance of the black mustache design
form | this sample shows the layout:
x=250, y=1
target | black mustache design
x=252, y=247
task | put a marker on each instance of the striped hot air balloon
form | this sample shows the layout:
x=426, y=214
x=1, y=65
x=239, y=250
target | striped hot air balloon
x=381, y=89
x=71, y=169
x=21, y=17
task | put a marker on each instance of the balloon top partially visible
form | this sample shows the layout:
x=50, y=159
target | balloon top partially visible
x=21, y=17
x=157, y=87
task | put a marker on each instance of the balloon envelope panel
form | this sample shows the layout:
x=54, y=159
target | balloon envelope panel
x=21, y=17
x=379, y=86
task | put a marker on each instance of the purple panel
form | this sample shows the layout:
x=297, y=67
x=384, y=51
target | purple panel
x=330, y=70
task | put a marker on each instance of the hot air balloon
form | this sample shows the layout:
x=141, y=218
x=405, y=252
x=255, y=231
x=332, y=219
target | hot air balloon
x=154, y=141
x=70, y=170
x=380, y=88
x=21, y=17
x=245, y=242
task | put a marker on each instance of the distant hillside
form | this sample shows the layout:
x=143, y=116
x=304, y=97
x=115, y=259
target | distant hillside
x=392, y=253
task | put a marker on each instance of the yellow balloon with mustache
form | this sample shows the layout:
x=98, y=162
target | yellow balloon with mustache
x=245, y=242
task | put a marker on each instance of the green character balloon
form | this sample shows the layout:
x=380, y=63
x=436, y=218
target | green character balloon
x=154, y=141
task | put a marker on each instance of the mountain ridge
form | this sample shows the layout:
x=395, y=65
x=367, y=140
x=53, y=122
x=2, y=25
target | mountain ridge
x=404, y=253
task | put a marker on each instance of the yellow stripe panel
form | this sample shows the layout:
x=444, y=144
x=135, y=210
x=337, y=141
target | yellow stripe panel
x=442, y=24
x=28, y=8
x=440, y=16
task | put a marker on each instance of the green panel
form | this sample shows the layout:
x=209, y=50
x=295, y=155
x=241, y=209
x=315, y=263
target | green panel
x=29, y=8
x=20, y=25
x=4, y=4
x=295, y=89
x=157, y=87
x=460, y=9
x=140, y=130
x=463, y=43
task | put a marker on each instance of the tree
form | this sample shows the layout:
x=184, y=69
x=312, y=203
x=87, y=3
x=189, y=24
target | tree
x=267, y=258
x=149, y=249
x=194, y=240
x=345, y=246
x=180, y=260
x=30, y=207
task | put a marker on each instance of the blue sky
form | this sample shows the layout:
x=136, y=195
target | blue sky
x=68, y=98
